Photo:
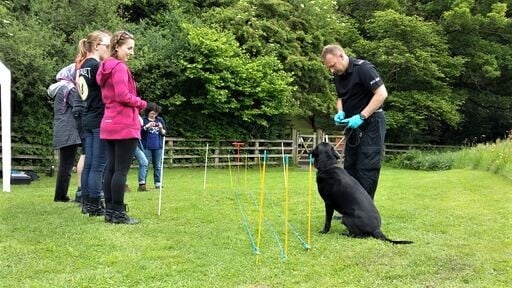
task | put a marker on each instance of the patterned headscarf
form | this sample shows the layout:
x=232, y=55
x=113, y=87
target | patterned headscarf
x=66, y=78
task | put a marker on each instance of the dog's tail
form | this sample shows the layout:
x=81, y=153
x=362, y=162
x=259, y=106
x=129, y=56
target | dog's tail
x=397, y=242
x=381, y=236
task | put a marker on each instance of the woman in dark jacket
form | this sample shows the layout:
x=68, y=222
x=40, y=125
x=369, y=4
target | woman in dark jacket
x=65, y=134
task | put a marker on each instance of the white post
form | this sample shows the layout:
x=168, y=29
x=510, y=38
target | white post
x=5, y=85
x=161, y=176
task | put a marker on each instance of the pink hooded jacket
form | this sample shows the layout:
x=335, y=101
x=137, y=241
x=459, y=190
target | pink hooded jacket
x=122, y=104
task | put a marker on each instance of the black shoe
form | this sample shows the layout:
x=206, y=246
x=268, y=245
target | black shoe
x=78, y=195
x=109, y=212
x=120, y=217
x=84, y=205
x=63, y=199
x=96, y=207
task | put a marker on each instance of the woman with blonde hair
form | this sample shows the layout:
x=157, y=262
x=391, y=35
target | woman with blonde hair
x=91, y=51
x=120, y=126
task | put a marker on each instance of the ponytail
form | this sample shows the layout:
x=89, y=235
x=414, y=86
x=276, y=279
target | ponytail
x=82, y=53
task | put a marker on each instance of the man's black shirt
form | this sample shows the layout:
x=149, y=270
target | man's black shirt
x=355, y=87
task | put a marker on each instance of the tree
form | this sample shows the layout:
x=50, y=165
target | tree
x=227, y=85
x=295, y=32
x=482, y=34
x=414, y=60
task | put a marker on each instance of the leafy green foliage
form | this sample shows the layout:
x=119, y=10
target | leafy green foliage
x=245, y=68
x=482, y=33
x=412, y=56
x=493, y=157
x=293, y=31
x=419, y=160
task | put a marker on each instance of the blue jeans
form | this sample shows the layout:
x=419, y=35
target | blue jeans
x=143, y=164
x=94, y=164
x=155, y=156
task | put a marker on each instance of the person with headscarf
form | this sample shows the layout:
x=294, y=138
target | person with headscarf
x=66, y=138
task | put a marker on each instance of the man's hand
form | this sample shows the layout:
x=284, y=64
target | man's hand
x=354, y=121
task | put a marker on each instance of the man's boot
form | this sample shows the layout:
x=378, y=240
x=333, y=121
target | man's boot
x=120, y=216
x=96, y=207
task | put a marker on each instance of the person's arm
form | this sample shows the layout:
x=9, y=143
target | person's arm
x=162, y=126
x=339, y=105
x=379, y=96
x=123, y=80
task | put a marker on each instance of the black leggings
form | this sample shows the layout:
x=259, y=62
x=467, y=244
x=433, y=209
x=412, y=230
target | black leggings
x=67, y=156
x=119, y=159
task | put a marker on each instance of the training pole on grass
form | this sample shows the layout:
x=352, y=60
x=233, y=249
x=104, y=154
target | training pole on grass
x=246, y=160
x=5, y=92
x=205, y=166
x=161, y=176
x=285, y=172
x=310, y=197
x=262, y=196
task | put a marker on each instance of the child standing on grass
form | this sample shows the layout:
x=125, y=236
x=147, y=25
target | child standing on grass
x=153, y=131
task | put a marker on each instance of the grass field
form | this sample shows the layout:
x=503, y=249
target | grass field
x=460, y=221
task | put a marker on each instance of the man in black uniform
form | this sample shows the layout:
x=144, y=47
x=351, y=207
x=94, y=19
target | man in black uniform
x=361, y=94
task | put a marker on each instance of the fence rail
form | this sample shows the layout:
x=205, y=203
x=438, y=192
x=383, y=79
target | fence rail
x=181, y=152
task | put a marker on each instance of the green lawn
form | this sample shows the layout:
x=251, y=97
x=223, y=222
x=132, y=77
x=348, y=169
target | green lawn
x=460, y=221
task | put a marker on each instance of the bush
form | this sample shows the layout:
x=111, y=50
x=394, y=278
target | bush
x=419, y=160
x=493, y=157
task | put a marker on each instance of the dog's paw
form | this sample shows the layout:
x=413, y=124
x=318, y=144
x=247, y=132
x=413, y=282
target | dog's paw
x=323, y=231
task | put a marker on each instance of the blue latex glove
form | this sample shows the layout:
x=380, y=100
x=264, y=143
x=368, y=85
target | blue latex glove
x=354, y=121
x=339, y=117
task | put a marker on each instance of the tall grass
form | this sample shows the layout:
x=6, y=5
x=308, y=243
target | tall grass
x=492, y=157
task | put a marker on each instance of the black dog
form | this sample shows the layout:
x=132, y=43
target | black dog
x=343, y=193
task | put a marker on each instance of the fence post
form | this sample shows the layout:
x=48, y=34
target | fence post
x=216, y=155
x=256, y=151
x=170, y=152
x=319, y=135
x=295, y=146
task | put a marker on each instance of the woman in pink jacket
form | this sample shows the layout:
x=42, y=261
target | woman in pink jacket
x=120, y=126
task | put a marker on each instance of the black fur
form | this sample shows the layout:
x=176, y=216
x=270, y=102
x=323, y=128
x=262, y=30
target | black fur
x=343, y=193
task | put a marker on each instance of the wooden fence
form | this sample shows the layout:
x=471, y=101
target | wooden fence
x=181, y=152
